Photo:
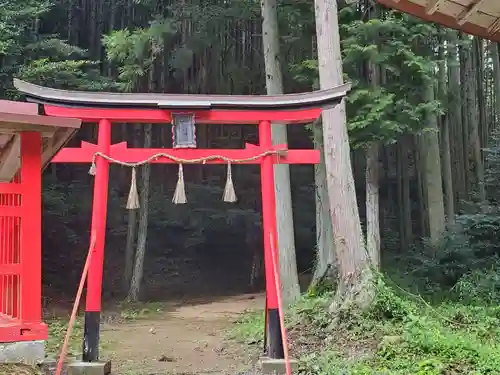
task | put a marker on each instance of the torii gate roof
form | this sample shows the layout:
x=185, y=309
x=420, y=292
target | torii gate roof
x=69, y=98
x=476, y=17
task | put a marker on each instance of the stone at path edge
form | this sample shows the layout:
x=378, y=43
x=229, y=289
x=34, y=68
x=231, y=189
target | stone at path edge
x=89, y=368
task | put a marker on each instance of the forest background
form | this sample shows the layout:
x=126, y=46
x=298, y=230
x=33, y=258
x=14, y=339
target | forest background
x=423, y=127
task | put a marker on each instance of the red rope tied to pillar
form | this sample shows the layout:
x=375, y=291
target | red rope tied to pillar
x=277, y=281
x=264, y=348
x=72, y=319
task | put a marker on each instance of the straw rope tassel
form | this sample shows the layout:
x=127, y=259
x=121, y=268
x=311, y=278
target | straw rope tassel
x=92, y=169
x=229, y=193
x=180, y=191
x=133, y=196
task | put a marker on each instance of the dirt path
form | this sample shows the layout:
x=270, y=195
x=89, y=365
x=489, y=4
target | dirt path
x=187, y=340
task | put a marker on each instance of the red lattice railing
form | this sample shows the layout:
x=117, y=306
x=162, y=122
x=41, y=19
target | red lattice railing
x=10, y=251
x=20, y=248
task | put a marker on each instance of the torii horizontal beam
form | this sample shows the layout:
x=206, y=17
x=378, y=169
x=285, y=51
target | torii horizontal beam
x=121, y=151
x=164, y=116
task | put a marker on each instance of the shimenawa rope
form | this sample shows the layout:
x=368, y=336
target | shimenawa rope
x=180, y=192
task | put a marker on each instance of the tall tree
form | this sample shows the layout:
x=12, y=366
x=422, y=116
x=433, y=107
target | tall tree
x=137, y=52
x=372, y=177
x=456, y=120
x=284, y=212
x=130, y=242
x=430, y=153
x=325, y=249
x=445, y=138
x=354, y=263
x=372, y=188
x=495, y=57
x=142, y=232
x=476, y=110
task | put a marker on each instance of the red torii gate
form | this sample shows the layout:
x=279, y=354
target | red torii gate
x=107, y=108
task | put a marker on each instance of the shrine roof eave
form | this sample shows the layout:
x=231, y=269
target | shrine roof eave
x=475, y=17
x=17, y=117
x=84, y=99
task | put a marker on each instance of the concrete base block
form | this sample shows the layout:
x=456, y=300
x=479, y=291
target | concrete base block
x=26, y=352
x=49, y=366
x=271, y=366
x=89, y=368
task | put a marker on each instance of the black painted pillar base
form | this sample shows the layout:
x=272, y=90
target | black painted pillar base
x=275, y=339
x=91, y=335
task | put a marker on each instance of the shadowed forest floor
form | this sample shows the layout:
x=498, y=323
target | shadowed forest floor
x=189, y=337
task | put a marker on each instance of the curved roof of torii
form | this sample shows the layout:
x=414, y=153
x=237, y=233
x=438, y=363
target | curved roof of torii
x=476, y=17
x=45, y=95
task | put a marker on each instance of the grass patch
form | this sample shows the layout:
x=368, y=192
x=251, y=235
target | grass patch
x=249, y=329
x=57, y=332
x=18, y=369
x=139, y=310
x=399, y=335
